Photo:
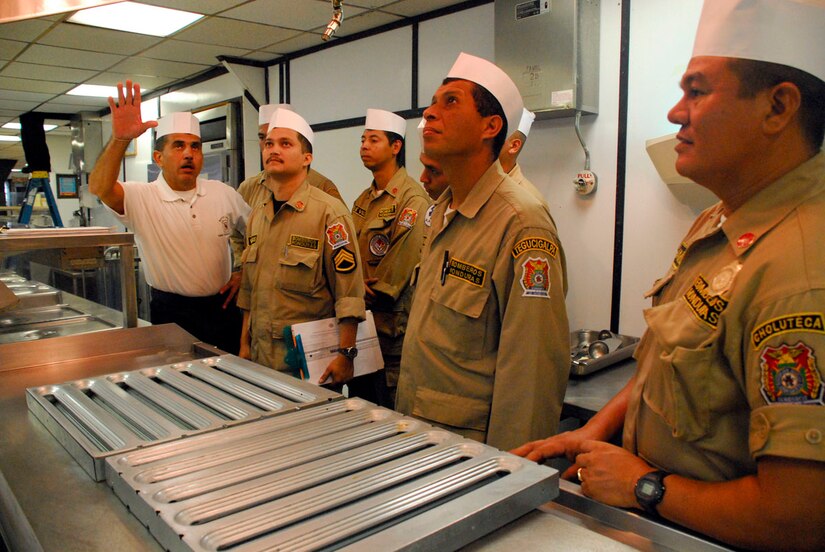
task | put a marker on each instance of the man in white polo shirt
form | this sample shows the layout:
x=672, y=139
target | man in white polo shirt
x=181, y=223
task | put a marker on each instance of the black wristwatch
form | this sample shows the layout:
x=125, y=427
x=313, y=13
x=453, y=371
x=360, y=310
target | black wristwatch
x=349, y=352
x=650, y=490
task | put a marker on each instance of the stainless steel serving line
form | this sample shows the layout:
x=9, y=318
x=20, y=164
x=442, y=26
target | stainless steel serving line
x=348, y=473
x=111, y=414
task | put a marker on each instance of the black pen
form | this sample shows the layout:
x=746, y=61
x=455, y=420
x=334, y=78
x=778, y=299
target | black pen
x=445, y=267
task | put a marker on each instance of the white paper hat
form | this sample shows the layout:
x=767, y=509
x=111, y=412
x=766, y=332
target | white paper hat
x=266, y=111
x=378, y=119
x=284, y=118
x=178, y=123
x=496, y=81
x=527, y=118
x=777, y=31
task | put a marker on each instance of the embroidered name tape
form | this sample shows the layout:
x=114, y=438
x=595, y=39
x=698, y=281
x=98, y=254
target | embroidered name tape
x=304, y=242
x=467, y=272
x=706, y=306
x=680, y=254
x=388, y=211
x=799, y=322
x=360, y=211
x=535, y=244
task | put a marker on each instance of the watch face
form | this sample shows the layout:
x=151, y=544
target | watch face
x=647, y=488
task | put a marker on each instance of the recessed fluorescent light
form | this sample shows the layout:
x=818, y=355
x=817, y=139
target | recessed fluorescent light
x=7, y=138
x=136, y=18
x=17, y=126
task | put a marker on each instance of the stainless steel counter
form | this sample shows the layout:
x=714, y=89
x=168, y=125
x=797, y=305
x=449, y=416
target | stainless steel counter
x=47, y=502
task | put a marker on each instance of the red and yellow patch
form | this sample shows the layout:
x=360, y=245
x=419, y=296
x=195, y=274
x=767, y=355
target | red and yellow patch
x=789, y=375
x=337, y=235
x=407, y=217
x=535, y=277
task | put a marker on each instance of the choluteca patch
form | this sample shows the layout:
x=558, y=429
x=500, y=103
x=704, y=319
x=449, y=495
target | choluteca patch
x=379, y=245
x=706, y=306
x=344, y=261
x=535, y=277
x=466, y=271
x=337, y=235
x=360, y=211
x=304, y=242
x=407, y=217
x=798, y=322
x=535, y=244
x=789, y=375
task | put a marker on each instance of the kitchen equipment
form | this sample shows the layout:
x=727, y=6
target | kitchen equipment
x=97, y=417
x=592, y=350
x=344, y=474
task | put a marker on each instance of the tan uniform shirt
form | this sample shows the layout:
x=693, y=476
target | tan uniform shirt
x=255, y=190
x=300, y=265
x=518, y=176
x=731, y=365
x=390, y=229
x=487, y=351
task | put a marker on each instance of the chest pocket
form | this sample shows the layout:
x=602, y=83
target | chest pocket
x=691, y=384
x=460, y=309
x=300, y=271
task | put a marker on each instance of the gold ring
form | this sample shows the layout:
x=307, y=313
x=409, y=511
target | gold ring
x=579, y=475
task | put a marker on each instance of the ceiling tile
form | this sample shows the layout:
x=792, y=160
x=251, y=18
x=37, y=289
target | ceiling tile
x=52, y=107
x=10, y=48
x=83, y=37
x=369, y=4
x=146, y=82
x=408, y=8
x=67, y=57
x=26, y=96
x=27, y=30
x=367, y=20
x=263, y=56
x=196, y=6
x=304, y=40
x=27, y=85
x=21, y=106
x=91, y=101
x=137, y=66
x=230, y=32
x=304, y=15
x=46, y=72
x=178, y=50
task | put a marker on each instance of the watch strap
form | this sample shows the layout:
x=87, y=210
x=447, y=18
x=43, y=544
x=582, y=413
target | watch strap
x=650, y=504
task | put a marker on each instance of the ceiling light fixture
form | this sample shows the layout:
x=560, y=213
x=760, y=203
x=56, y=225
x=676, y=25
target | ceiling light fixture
x=136, y=18
x=7, y=138
x=17, y=10
x=18, y=126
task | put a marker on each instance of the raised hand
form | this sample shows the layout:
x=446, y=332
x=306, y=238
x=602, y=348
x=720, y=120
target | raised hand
x=127, y=123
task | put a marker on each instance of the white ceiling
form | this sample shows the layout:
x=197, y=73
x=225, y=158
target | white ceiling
x=41, y=59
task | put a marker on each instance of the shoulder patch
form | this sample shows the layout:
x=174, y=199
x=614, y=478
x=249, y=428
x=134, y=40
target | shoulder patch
x=799, y=322
x=466, y=271
x=379, y=245
x=337, y=235
x=535, y=244
x=360, y=211
x=535, y=277
x=704, y=304
x=304, y=242
x=428, y=216
x=407, y=217
x=344, y=261
x=789, y=375
x=388, y=211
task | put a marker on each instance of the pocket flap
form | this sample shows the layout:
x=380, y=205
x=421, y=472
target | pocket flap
x=295, y=257
x=451, y=410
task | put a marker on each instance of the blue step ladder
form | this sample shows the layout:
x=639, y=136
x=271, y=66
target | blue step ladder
x=39, y=182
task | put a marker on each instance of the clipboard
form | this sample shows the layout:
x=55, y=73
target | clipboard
x=317, y=344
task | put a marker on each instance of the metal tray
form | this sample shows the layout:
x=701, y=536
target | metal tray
x=343, y=475
x=54, y=328
x=98, y=417
x=19, y=316
x=609, y=349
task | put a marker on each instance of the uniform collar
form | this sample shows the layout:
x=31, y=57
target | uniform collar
x=298, y=201
x=515, y=173
x=482, y=191
x=170, y=195
x=767, y=208
x=394, y=186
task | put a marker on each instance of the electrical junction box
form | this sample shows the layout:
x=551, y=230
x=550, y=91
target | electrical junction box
x=550, y=48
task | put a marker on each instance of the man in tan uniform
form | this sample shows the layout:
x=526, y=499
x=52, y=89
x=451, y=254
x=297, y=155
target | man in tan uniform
x=258, y=189
x=301, y=260
x=724, y=418
x=487, y=346
x=388, y=220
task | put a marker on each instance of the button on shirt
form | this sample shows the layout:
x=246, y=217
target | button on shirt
x=487, y=351
x=184, y=243
x=731, y=366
